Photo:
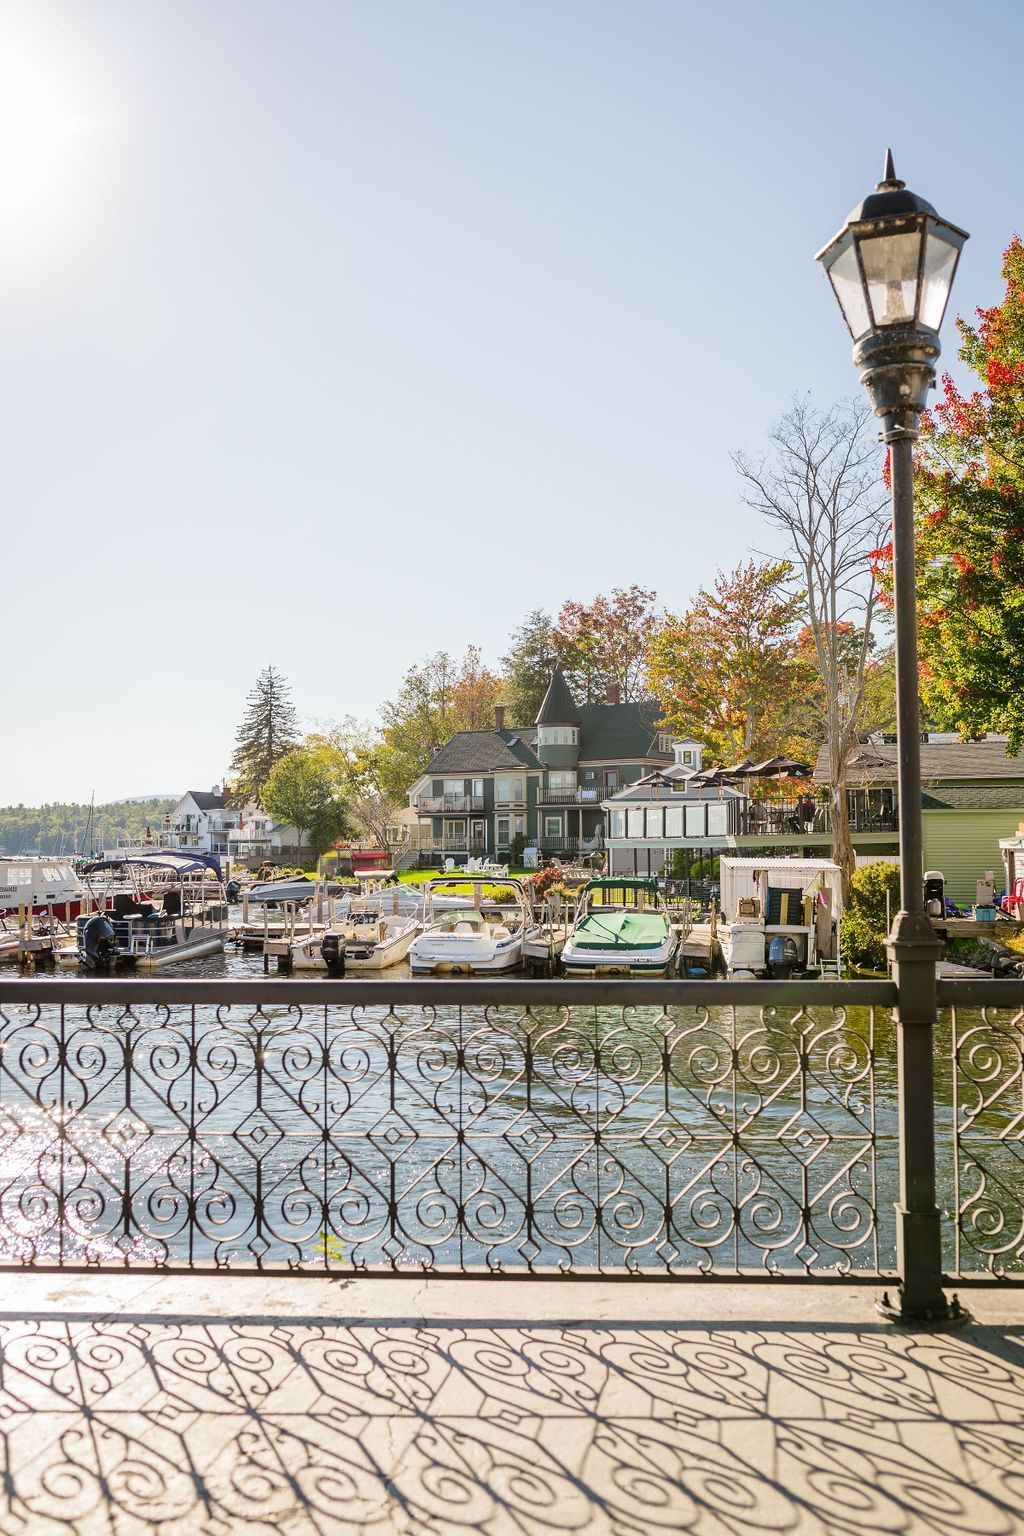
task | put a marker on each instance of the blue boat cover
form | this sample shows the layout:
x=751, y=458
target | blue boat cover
x=162, y=858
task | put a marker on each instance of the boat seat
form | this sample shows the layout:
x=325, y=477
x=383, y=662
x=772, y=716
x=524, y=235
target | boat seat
x=464, y=927
x=499, y=931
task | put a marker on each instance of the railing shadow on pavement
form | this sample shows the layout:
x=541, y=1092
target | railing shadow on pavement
x=142, y=1422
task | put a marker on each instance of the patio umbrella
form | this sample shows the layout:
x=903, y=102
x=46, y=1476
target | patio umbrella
x=741, y=770
x=656, y=780
x=710, y=777
x=779, y=768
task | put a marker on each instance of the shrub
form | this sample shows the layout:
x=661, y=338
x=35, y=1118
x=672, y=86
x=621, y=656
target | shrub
x=543, y=880
x=515, y=850
x=862, y=928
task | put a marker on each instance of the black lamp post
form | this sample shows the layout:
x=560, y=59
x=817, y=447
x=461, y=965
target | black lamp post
x=891, y=267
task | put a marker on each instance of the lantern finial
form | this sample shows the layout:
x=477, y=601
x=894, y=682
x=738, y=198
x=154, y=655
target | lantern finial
x=890, y=181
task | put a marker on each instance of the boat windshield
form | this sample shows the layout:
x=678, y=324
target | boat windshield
x=631, y=893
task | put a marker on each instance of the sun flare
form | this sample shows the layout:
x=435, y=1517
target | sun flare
x=42, y=129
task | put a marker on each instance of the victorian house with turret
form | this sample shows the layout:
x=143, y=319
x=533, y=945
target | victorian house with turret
x=496, y=791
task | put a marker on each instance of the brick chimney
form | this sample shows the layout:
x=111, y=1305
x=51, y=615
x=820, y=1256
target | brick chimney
x=499, y=717
x=612, y=693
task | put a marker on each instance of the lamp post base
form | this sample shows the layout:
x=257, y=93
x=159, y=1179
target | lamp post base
x=939, y=1319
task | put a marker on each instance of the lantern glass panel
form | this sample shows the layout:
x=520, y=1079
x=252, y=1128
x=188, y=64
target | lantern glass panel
x=890, y=269
x=844, y=275
x=939, y=265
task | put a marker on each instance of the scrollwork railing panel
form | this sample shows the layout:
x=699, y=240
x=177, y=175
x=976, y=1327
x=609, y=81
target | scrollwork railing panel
x=479, y=1135
x=980, y=1135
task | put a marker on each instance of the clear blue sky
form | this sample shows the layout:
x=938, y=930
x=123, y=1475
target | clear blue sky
x=333, y=334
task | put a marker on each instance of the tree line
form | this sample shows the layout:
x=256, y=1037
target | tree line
x=62, y=829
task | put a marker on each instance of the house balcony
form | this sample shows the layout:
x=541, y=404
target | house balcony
x=434, y=845
x=787, y=819
x=435, y=805
x=561, y=847
x=716, y=821
x=591, y=796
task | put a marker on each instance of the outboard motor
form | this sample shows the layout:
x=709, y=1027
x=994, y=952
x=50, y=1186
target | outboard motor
x=98, y=945
x=332, y=952
x=783, y=956
x=233, y=891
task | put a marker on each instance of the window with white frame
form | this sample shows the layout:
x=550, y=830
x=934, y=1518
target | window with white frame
x=557, y=735
x=635, y=822
x=665, y=740
x=510, y=787
x=454, y=786
x=616, y=824
x=561, y=781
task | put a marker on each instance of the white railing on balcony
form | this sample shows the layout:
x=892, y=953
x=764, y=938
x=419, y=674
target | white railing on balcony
x=439, y=804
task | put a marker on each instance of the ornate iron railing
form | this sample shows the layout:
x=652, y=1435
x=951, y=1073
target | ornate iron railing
x=980, y=1127
x=614, y=1128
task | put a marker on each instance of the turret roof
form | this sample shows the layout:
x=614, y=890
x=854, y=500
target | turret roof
x=559, y=707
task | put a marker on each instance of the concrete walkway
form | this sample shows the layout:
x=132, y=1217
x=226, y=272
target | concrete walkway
x=130, y=1404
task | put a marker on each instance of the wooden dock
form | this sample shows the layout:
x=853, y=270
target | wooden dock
x=971, y=928
x=698, y=946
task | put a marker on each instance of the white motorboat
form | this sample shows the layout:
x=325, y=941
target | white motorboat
x=130, y=931
x=372, y=934
x=478, y=940
x=41, y=886
x=620, y=929
x=779, y=916
x=295, y=888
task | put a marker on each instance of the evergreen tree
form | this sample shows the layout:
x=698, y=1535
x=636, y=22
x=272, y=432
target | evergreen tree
x=527, y=668
x=267, y=733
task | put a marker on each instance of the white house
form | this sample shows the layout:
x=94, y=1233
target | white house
x=200, y=820
x=247, y=834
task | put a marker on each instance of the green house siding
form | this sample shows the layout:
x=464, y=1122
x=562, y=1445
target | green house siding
x=964, y=844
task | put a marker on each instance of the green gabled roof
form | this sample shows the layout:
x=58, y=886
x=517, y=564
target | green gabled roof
x=942, y=762
x=559, y=706
x=974, y=797
x=620, y=732
x=482, y=752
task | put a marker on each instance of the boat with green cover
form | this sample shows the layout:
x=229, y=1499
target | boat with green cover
x=620, y=929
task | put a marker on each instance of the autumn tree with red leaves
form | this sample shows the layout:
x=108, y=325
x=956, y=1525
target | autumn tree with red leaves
x=604, y=642
x=969, y=478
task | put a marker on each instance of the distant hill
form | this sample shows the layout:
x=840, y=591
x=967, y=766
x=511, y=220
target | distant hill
x=62, y=829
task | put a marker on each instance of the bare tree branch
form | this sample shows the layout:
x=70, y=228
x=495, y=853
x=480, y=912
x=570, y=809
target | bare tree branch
x=820, y=487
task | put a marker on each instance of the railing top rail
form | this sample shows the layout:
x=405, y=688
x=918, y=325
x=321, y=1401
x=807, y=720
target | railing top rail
x=992, y=992
x=476, y=992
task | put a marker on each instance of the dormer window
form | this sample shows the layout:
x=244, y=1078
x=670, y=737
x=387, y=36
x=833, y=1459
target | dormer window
x=687, y=754
x=665, y=741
